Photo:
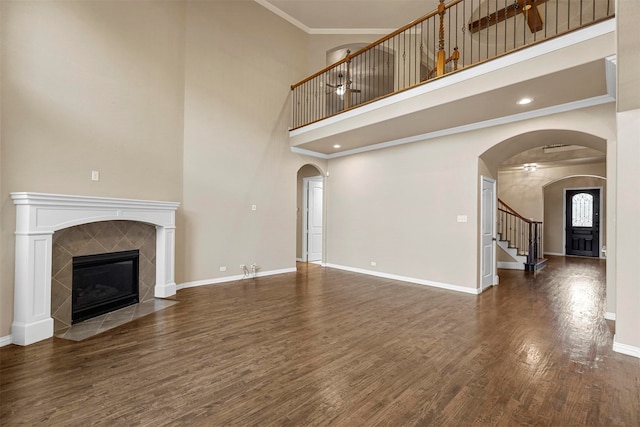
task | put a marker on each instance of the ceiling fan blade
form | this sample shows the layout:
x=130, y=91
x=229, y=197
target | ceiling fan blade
x=534, y=19
x=355, y=90
x=493, y=18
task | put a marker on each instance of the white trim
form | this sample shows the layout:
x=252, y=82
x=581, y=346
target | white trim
x=610, y=63
x=554, y=253
x=610, y=316
x=227, y=279
x=5, y=340
x=309, y=153
x=299, y=260
x=352, y=31
x=457, y=288
x=305, y=214
x=629, y=350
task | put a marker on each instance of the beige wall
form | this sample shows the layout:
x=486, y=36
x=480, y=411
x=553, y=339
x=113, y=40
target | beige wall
x=88, y=86
x=398, y=206
x=554, y=201
x=236, y=152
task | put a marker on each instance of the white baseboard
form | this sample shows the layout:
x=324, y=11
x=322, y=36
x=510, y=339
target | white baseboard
x=233, y=278
x=629, y=350
x=511, y=265
x=554, y=253
x=610, y=316
x=6, y=340
x=299, y=260
x=457, y=288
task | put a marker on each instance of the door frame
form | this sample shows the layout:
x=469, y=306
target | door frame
x=305, y=214
x=564, y=218
x=493, y=208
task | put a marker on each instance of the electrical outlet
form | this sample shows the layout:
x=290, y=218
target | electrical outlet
x=95, y=175
x=223, y=268
x=373, y=263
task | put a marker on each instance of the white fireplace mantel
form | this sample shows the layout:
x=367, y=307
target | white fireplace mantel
x=39, y=215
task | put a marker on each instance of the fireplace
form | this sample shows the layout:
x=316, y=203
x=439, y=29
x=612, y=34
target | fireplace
x=40, y=215
x=103, y=283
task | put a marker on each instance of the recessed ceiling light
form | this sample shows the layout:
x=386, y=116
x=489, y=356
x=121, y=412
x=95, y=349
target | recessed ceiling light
x=336, y=146
x=525, y=101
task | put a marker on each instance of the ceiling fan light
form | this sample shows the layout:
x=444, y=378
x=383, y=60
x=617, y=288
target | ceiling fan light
x=340, y=90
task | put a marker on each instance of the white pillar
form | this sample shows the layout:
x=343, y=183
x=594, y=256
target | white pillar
x=165, y=270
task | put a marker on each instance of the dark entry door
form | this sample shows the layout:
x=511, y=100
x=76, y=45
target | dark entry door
x=583, y=222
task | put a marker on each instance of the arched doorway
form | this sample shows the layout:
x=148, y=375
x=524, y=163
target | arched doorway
x=555, y=155
x=310, y=214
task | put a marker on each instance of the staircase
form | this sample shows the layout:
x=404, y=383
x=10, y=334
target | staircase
x=520, y=238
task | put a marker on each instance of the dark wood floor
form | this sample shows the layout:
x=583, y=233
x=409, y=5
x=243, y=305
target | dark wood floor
x=331, y=347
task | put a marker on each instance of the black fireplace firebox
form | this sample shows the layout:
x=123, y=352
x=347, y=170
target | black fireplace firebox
x=103, y=283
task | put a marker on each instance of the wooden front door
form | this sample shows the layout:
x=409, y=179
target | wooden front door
x=583, y=222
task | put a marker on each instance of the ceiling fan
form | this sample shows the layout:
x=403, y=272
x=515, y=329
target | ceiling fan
x=341, y=88
x=345, y=88
x=527, y=7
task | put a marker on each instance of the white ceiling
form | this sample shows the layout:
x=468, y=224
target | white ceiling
x=326, y=16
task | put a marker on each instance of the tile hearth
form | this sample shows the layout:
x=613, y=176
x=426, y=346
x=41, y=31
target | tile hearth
x=99, y=324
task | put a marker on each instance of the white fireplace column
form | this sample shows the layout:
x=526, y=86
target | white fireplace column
x=39, y=215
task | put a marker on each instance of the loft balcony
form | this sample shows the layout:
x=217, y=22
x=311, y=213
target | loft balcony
x=463, y=66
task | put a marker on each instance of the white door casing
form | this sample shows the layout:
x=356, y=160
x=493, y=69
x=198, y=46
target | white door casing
x=312, y=219
x=488, y=233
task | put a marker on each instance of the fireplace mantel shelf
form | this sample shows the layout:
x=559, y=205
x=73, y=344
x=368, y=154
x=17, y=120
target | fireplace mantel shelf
x=39, y=215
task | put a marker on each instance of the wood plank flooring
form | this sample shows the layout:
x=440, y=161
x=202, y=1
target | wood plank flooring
x=328, y=347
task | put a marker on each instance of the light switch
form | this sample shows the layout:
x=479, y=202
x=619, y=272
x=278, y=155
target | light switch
x=462, y=218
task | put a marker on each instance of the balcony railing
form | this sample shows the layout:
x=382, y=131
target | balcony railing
x=457, y=35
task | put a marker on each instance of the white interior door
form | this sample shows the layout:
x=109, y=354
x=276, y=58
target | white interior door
x=314, y=218
x=488, y=232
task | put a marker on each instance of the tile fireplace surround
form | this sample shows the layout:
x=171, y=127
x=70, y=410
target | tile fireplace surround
x=39, y=215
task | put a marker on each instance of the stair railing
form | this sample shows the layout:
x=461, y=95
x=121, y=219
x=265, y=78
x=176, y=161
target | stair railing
x=525, y=235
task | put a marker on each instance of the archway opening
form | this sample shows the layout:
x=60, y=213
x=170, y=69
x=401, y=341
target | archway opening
x=310, y=214
x=525, y=165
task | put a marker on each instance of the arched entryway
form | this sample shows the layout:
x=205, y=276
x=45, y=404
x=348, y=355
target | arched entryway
x=310, y=214
x=556, y=155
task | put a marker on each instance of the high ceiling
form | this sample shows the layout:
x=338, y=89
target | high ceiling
x=327, y=15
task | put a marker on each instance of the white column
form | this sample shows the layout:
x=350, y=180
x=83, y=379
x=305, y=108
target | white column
x=165, y=262
x=32, y=320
